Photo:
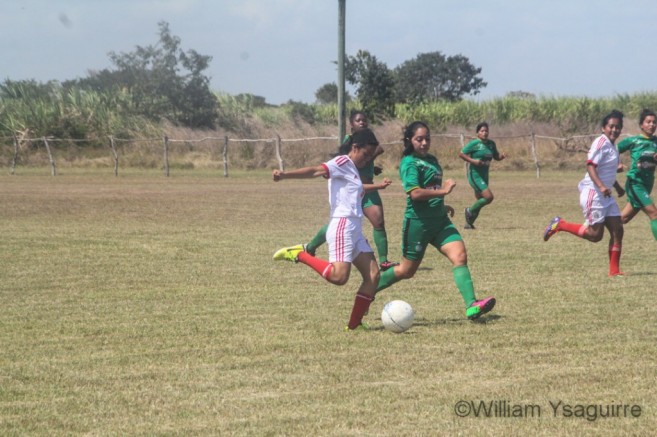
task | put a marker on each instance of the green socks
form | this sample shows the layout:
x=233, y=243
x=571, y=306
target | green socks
x=318, y=240
x=463, y=282
x=381, y=242
x=474, y=209
x=386, y=279
x=462, y=279
x=653, y=226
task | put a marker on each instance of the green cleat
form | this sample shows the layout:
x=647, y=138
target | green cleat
x=289, y=253
x=361, y=327
x=479, y=308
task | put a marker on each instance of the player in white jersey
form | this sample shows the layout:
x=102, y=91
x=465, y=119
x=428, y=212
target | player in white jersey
x=599, y=207
x=346, y=242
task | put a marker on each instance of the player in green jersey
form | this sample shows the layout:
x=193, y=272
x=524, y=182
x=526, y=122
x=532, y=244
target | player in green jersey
x=479, y=153
x=372, y=203
x=641, y=176
x=426, y=220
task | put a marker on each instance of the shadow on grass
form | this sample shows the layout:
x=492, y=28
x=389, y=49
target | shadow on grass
x=489, y=318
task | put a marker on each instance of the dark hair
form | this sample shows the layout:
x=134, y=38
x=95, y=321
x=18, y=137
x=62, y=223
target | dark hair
x=615, y=113
x=480, y=125
x=362, y=138
x=645, y=113
x=409, y=131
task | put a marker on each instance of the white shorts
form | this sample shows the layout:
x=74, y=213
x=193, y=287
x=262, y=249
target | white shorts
x=345, y=239
x=597, y=207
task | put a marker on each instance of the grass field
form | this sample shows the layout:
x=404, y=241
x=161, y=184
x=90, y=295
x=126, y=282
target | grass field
x=146, y=305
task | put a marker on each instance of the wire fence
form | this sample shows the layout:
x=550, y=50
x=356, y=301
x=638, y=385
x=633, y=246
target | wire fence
x=528, y=151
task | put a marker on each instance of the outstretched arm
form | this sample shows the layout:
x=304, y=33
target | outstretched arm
x=301, y=173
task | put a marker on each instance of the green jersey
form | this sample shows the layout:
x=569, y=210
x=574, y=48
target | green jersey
x=422, y=172
x=642, y=151
x=483, y=151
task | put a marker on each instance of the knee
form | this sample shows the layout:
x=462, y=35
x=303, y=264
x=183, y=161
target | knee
x=460, y=259
x=490, y=198
x=405, y=273
x=340, y=280
x=595, y=238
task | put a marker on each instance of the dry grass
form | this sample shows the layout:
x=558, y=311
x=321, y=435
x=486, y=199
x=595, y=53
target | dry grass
x=150, y=305
x=203, y=150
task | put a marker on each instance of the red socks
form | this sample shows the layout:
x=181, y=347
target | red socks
x=573, y=228
x=319, y=265
x=361, y=305
x=614, y=260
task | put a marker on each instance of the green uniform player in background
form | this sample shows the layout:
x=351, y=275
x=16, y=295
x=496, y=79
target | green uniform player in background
x=641, y=176
x=479, y=153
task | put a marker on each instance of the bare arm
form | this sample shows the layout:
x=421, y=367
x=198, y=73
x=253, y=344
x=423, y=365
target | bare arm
x=619, y=189
x=420, y=194
x=593, y=173
x=500, y=156
x=468, y=159
x=380, y=186
x=301, y=173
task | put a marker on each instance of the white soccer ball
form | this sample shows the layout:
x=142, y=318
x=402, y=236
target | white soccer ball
x=397, y=316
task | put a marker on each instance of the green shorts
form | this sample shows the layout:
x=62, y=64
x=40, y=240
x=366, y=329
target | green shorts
x=477, y=181
x=638, y=195
x=417, y=234
x=372, y=198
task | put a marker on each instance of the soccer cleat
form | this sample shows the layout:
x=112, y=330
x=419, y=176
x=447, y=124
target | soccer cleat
x=469, y=219
x=387, y=264
x=617, y=275
x=361, y=327
x=289, y=253
x=479, y=308
x=552, y=228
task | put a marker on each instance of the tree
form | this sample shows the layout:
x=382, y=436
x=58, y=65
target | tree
x=374, y=83
x=433, y=76
x=164, y=81
x=328, y=93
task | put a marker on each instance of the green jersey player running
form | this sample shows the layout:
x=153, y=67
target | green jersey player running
x=479, y=153
x=641, y=177
x=426, y=220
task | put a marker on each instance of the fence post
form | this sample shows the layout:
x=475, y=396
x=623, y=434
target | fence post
x=166, y=156
x=281, y=166
x=535, y=155
x=53, y=166
x=225, y=154
x=116, y=156
x=13, y=160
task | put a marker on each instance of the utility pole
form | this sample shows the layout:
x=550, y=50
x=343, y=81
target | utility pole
x=341, y=81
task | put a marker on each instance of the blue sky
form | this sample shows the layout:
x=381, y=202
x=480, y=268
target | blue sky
x=284, y=49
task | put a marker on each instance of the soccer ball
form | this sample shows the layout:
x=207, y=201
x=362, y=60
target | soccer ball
x=397, y=316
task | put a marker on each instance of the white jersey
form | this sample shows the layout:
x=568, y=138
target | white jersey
x=604, y=156
x=345, y=188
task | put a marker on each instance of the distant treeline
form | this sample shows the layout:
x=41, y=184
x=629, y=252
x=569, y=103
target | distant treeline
x=53, y=110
